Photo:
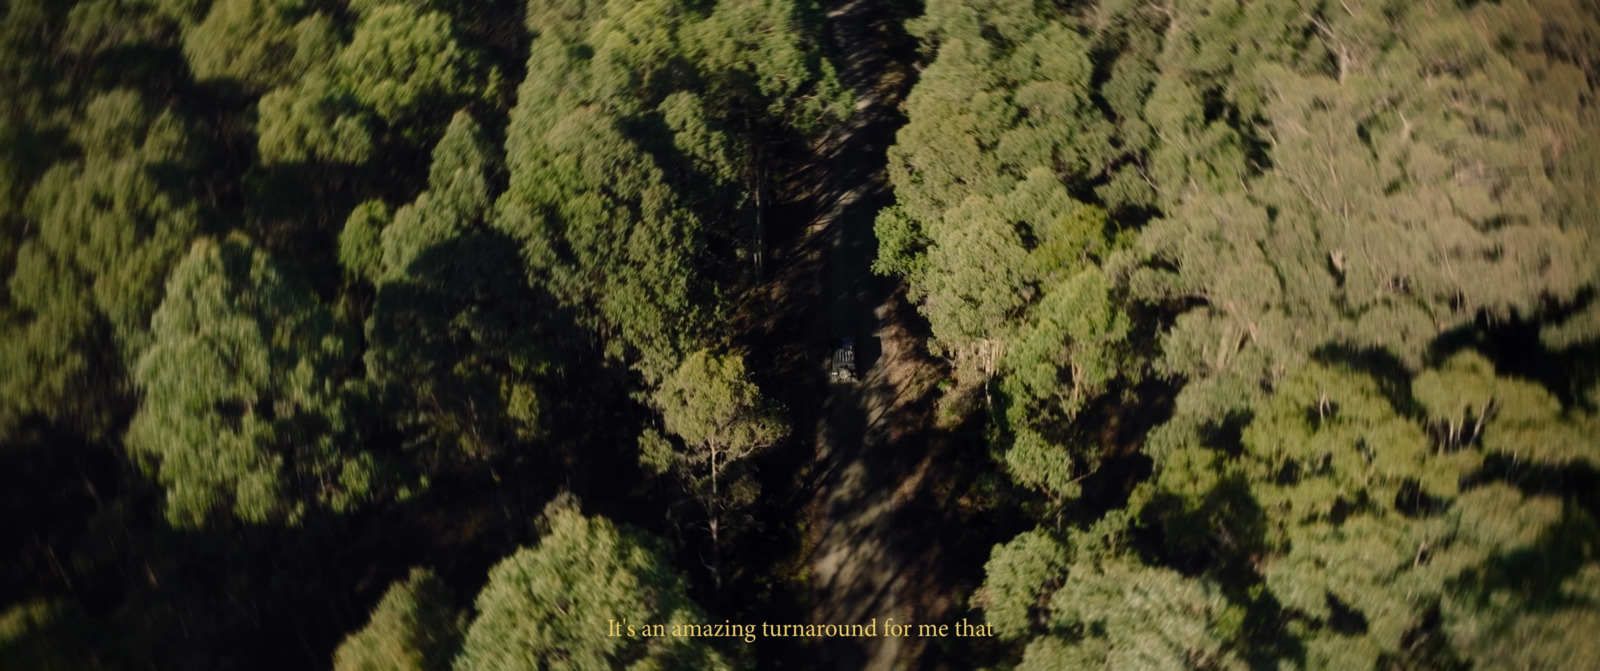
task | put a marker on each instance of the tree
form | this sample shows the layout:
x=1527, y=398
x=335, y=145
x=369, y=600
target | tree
x=243, y=404
x=1070, y=353
x=550, y=606
x=401, y=59
x=313, y=120
x=414, y=627
x=992, y=230
x=1393, y=212
x=636, y=147
x=765, y=63
x=1332, y=203
x=1358, y=519
x=1081, y=602
x=600, y=226
x=455, y=332
x=710, y=404
x=361, y=241
x=247, y=42
x=1007, y=94
x=103, y=230
x=399, y=69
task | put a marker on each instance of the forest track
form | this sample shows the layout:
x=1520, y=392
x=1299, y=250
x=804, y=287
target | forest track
x=873, y=551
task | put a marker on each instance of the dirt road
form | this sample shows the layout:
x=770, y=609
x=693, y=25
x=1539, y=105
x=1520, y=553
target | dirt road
x=871, y=557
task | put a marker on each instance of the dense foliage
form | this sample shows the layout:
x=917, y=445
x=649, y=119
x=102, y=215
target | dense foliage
x=1280, y=320
x=526, y=615
x=1356, y=239
x=287, y=280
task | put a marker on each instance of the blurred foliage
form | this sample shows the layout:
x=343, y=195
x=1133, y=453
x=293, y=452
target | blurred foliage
x=413, y=628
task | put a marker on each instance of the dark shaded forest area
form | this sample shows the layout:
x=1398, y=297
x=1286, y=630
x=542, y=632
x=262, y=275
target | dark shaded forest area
x=432, y=334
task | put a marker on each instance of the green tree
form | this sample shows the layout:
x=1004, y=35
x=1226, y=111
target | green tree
x=414, y=627
x=399, y=69
x=400, y=59
x=992, y=231
x=551, y=606
x=1353, y=513
x=633, y=153
x=1338, y=197
x=720, y=415
x=761, y=60
x=250, y=43
x=455, y=333
x=313, y=120
x=102, y=231
x=1393, y=211
x=243, y=404
x=361, y=240
x=1071, y=352
x=1081, y=602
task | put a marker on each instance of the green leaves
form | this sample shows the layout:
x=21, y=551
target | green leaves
x=414, y=628
x=976, y=279
x=1076, y=329
x=314, y=120
x=1353, y=510
x=1086, y=608
x=399, y=68
x=243, y=408
x=360, y=242
x=1069, y=354
x=456, y=333
x=711, y=404
x=631, y=157
x=1467, y=403
x=1021, y=575
x=599, y=225
x=902, y=247
x=401, y=58
x=106, y=227
x=759, y=54
x=247, y=42
x=1134, y=617
x=549, y=606
x=1330, y=202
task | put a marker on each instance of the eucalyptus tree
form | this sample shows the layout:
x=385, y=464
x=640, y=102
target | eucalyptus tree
x=415, y=627
x=454, y=336
x=399, y=67
x=1336, y=209
x=628, y=156
x=244, y=407
x=103, y=228
x=554, y=605
x=995, y=230
x=722, y=419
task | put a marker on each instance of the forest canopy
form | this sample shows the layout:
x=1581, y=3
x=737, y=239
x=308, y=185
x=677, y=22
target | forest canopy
x=1357, y=242
x=431, y=335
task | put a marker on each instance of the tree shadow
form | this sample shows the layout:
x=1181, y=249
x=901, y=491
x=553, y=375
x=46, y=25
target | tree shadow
x=1219, y=536
x=1517, y=349
x=1391, y=375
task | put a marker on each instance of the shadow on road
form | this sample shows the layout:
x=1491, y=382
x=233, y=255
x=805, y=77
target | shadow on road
x=879, y=485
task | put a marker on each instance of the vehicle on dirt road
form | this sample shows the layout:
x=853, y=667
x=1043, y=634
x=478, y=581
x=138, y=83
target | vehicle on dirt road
x=843, y=365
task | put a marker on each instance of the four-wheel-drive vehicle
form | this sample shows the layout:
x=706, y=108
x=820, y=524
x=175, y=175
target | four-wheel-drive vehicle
x=843, y=366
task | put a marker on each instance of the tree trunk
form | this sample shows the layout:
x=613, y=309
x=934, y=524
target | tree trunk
x=716, y=541
x=761, y=185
